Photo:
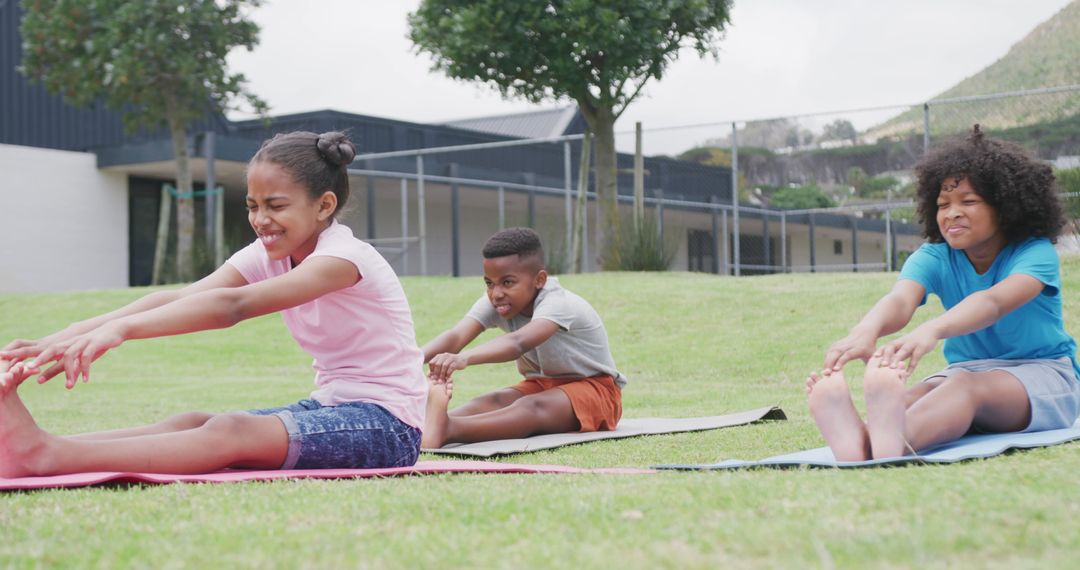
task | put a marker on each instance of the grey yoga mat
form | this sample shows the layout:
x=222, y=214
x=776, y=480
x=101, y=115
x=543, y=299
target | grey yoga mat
x=968, y=447
x=628, y=427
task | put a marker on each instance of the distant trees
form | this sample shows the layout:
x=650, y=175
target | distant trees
x=598, y=53
x=839, y=130
x=162, y=63
x=801, y=198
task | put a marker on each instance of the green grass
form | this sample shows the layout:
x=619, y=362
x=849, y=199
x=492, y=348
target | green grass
x=691, y=345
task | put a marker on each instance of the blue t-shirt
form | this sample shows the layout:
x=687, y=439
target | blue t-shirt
x=1034, y=330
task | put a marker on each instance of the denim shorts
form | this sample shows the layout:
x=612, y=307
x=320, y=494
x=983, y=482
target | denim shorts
x=1052, y=387
x=354, y=435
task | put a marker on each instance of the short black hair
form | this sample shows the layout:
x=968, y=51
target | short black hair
x=1021, y=188
x=522, y=242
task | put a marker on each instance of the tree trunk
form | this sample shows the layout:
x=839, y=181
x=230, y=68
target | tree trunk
x=602, y=123
x=185, y=204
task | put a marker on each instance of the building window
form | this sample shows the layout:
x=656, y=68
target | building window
x=838, y=247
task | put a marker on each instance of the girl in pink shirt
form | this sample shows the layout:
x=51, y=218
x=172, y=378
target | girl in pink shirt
x=340, y=300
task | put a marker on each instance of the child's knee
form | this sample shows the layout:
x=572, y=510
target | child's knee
x=188, y=420
x=229, y=425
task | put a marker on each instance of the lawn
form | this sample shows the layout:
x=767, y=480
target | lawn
x=691, y=345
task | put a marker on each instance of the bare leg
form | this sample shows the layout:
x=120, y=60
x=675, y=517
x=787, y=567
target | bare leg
x=488, y=402
x=993, y=401
x=547, y=412
x=181, y=422
x=836, y=417
x=883, y=389
x=228, y=440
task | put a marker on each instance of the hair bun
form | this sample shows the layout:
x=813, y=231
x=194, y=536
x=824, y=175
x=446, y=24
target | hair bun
x=336, y=148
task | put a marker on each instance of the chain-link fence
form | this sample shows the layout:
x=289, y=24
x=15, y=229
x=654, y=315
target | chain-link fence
x=816, y=192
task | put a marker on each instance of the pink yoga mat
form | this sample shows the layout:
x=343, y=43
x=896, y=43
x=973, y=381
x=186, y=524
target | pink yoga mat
x=235, y=476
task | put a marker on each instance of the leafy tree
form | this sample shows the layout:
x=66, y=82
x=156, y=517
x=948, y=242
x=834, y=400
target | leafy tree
x=879, y=186
x=599, y=53
x=161, y=62
x=839, y=130
x=857, y=178
x=801, y=198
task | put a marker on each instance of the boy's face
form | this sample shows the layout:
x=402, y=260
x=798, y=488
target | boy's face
x=964, y=218
x=512, y=283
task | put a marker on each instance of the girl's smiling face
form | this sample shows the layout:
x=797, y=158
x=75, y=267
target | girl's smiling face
x=283, y=213
x=967, y=221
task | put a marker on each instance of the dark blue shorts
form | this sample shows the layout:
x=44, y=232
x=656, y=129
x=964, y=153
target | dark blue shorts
x=356, y=435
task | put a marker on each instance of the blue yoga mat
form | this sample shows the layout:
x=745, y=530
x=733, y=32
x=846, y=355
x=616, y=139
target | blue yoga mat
x=968, y=447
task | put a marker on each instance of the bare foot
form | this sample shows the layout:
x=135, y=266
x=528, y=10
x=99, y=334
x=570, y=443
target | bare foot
x=836, y=417
x=20, y=438
x=439, y=394
x=883, y=389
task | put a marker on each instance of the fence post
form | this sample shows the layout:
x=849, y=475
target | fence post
x=783, y=241
x=735, y=194
x=502, y=207
x=813, y=247
x=926, y=127
x=724, y=236
x=888, y=230
x=211, y=199
x=455, y=222
x=369, y=165
x=854, y=243
x=639, y=179
x=715, y=235
x=568, y=172
x=404, y=226
x=421, y=213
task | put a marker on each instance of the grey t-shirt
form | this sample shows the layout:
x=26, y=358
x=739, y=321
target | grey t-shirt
x=579, y=348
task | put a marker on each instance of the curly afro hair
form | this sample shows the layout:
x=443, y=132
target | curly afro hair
x=1021, y=188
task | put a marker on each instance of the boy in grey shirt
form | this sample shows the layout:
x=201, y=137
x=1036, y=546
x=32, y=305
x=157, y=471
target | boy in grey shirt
x=557, y=339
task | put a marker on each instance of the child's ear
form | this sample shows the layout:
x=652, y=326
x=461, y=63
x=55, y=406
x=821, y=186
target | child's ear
x=541, y=279
x=327, y=205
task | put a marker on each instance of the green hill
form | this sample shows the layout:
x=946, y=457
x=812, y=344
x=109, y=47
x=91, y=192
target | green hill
x=1049, y=56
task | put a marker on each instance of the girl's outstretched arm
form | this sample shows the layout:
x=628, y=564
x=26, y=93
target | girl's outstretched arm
x=887, y=316
x=499, y=349
x=977, y=311
x=204, y=310
x=224, y=276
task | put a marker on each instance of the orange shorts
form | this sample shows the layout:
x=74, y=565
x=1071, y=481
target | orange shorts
x=596, y=400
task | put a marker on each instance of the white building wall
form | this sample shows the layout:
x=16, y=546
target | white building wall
x=63, y=223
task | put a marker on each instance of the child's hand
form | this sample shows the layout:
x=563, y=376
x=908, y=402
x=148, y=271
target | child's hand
x=74, y=357
x=20, y=349
x=443, y=365
x=913, y=345
x=853, y=346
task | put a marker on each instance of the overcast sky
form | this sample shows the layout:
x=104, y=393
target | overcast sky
x=779, y=57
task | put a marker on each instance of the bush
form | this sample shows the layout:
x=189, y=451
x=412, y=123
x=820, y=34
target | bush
x=643, y=249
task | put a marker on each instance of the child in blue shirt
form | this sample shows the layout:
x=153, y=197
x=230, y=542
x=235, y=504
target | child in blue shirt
x=991, y=214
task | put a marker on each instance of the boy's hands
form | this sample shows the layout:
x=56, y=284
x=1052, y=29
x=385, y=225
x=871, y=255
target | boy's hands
x=441, y=366
x=854, y=346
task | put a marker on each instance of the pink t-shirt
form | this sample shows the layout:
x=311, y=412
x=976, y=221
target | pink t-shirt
x=361, y=337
